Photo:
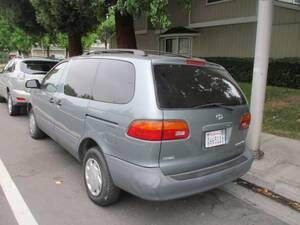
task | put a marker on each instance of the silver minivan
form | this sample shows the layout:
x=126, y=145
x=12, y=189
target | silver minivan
x=13, y=77
x=158, y=126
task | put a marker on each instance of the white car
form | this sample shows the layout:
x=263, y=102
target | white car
x=13, y=78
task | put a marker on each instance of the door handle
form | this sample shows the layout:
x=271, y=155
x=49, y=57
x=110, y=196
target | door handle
x=58, y=102
x=51, y=100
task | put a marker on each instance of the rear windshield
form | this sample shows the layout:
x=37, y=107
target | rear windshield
x=186, y=86
x=37, y=67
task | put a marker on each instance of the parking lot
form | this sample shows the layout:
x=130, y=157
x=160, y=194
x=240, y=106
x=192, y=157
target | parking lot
x=50, y=182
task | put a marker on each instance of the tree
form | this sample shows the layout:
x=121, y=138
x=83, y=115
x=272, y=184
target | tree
x=107, y=28
x=21, y=14
x=127, y=10
x=13, y=38
x=73, y=17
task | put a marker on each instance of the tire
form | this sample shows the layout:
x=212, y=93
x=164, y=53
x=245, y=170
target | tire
x=12, y=109
x=34, y=130
x=2, y=99
x=95, y=170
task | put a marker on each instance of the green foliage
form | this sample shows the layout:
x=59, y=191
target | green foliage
x=20, y=13
x=158, y=14
x=89, y=39
x=155, y=9
x=13, y=38
x=62, y=40
x=107, y=28
x=69, y=16
x=282, y=110
x=282, y=73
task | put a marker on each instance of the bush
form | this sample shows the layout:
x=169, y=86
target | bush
x=282, y=72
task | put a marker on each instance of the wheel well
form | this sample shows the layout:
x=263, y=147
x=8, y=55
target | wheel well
x=85, y=145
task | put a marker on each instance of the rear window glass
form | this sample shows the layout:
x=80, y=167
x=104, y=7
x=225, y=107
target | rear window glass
x=186, y=86
x=37, y=67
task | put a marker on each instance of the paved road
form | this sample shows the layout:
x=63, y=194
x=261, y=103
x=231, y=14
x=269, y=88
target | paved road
x=50, y=181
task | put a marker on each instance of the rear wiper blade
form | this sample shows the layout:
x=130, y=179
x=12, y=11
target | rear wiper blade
x=211, y=105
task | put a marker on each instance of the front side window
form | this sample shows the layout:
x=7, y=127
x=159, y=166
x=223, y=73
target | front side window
x=80, y=78
x=114, y=82
x=36, y=67
x=186, y=86
x=50, y=82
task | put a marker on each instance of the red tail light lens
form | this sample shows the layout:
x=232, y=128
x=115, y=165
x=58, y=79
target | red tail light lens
x=245, y=120
x=157, y=130
x=21, y=99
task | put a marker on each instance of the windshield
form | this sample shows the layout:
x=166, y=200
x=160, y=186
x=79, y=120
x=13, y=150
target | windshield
x=186, y=86
x=37, y=67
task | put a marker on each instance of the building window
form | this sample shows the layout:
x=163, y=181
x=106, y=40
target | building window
x=177, y=45
x=211, y=2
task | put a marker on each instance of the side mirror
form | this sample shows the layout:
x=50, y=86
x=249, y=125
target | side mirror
x=35, y=84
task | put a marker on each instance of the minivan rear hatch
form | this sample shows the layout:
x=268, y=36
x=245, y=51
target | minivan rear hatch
x=211, y=103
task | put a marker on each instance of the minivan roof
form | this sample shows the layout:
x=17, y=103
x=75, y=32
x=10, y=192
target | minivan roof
x=155, y=57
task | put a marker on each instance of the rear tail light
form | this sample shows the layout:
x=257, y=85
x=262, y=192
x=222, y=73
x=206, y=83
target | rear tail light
x=21, y=99
x=157, y=130
x=245, y=120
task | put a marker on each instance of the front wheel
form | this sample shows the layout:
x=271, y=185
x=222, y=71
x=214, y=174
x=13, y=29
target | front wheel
x=13, y=110
x=98, y=182
x=34, y=130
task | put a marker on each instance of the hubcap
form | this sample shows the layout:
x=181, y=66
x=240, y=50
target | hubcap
x=9, y=103
x=31, y=123
x=93, y=176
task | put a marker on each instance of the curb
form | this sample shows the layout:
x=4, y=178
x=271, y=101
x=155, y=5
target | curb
x=259, y=201
x=280, y=188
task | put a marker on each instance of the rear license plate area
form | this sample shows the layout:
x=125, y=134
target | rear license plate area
x=215, y=138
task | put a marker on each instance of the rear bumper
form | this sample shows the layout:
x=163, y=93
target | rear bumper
x=152, y=184
x=20, y=97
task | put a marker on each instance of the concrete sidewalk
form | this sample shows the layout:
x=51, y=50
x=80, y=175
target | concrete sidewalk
x=279, y=170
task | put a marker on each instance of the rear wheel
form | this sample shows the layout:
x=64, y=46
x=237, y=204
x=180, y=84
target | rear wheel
x=98, y=182
x=2, y=99
x=13, y=110
x=34, y=130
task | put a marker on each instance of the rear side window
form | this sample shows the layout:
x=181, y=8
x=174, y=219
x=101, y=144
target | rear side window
x=186, y=86
x=80, y=78
x=114, y=82
x=37, y=67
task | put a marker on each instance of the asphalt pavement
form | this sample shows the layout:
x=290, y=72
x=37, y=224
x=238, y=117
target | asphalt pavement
x=50, y=182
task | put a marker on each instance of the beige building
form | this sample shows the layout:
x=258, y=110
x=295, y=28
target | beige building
x=222, y=28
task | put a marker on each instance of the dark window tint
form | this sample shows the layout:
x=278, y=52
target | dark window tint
x=185, y=86
x=51, y=80
x=37, y=67
x=80, y=78
x=114, y=82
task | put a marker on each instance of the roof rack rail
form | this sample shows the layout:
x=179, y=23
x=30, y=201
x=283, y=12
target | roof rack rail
x=155, y=52
x=116, y=51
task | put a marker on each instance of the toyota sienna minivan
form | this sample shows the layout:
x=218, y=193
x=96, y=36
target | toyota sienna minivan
x=158, y=126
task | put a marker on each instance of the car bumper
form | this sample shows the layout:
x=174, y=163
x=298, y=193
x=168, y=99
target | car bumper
x=20, y=97
x=152, y=184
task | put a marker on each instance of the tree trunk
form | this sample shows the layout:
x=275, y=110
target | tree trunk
x=48, y=51
x=125, y=30
x=75, y=46
x=67, y=52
